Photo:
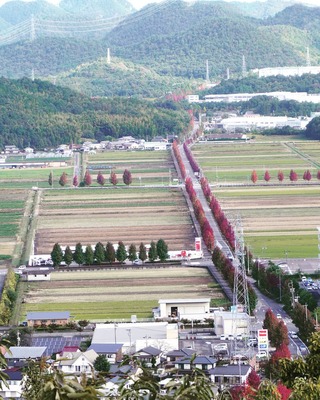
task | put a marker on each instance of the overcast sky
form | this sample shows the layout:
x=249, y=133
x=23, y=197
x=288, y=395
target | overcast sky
x=141, y=3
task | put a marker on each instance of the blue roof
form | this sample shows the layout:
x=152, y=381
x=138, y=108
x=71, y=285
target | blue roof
x=106, y=348
x=38, y=315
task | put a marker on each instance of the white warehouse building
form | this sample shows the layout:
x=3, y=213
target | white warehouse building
x=190, y=309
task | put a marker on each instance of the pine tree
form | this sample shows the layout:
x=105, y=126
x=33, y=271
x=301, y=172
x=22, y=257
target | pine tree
x=121, y=253
x=68, y=256
x=99, y=253
x=56, y=255
x=87, y=178
x=50, y=179
x=110, y=253
x=142, y=252
x=152, y=253
x=132, y=253
x=78, y=255
x=113, y=178
x=63, y=179
x=89, y=256
x=100, y=179
x=127, y=178
x=162, y=250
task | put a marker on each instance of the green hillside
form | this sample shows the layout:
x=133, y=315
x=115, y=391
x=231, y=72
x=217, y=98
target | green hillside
x=179, y=38
x=41, y=115
x=120, y=78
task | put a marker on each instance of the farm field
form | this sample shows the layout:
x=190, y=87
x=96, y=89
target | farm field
x=133, y=215
x=12, y=205
x=106, y=295
x=234, y=162
x=146, y=167
x=279, y=221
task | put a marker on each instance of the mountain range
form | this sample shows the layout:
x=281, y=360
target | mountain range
x=154, y=45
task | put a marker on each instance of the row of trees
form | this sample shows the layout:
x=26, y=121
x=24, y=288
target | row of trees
x=293, y=176
x=224, y=225
x=87, y=180
x=177, y=154
x=8, y=297
x=108, y=254
x=206, y=230
x=226, y=268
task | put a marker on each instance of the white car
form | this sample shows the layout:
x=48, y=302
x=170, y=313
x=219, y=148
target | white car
x=22, y=267
x=137, y=261
x=279, y=316
x=223, y=337
x=294, y=335
x=262, y=354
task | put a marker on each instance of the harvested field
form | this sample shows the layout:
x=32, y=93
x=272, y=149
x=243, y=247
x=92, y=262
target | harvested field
x=103, y=295
x=132, y=215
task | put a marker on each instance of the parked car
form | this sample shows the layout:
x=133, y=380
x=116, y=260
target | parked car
x=223, y=337
x=262, y=354
x=137, y=261
x=230, y=337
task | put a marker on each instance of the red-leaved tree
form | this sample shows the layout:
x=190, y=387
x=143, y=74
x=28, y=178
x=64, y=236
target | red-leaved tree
x=254, y=176
x=284, y=391
x=293, y=176
x=127, y=178
x=87, y=178
x=113, y=178
x=280, y=176
x=101, y=179
x=307, y=175
x=75, y=181
x=318, y=175
x=267, y=176
x=63, y=179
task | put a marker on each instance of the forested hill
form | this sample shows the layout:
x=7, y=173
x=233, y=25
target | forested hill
x=39, y=114
x=179, y=38
x=299, y=16
x=309, y=83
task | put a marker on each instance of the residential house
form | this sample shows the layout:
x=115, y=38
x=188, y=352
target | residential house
x=37, y=318
x=112, y=351
x=13, y=389
x=77, y=363
x=21, y=353
x=204, y=363
x=176, y=355
x=149, y=355
x=230, y=374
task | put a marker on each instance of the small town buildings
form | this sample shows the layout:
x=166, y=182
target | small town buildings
x=203, y=363
x=11, y=149
x=230, y=322
x=36, y=274
x=77, y=363
x=138, y=335
x=149, y=355
x=37, y=318
x=21, y=353
x=176, y=355
x=228, y=375
x=13, y=387
x=112, y=351
x=191, y=309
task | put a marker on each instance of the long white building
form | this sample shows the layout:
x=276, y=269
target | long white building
x=286, y=71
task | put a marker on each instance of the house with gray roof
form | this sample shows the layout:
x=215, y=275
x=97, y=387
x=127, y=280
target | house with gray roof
x=228, y=375
x=112, y=351
x=149, y=355
x=18, y=353
x=204, y=363
x=37, y=318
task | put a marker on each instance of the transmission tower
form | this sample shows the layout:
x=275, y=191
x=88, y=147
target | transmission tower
x=240, y=289
x=33, y=30
x=207, y=71
x=244, y=67
x=308, y=57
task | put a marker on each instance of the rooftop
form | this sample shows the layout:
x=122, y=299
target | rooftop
x=45, y=315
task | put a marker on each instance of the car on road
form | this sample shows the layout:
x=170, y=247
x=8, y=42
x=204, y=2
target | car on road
x=223, y=337
x=137, y=261
x=230, y=337
x=279, y=316
x=303, y=349
x=239, y=337
x=262, y=354
x=294, y=335
x=22, y=267
x=221, y=347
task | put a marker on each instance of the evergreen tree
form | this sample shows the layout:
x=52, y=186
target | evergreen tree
x=132, y=253
x=127, y=178
x=78, y=255
x=50, y=179
x=68, y=256
x=152, y=253
x=142, y=252
x=56, y=255
x=110, y=253
x=121, y=253
x=89, y=256
x=99, y=253
x=101, y=364
x=63, y=179
x=162, y=250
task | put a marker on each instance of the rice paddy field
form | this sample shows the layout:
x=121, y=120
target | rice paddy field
x=116, y=295
x=279, y=220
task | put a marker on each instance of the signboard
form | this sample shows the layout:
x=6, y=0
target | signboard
x=197, y=244
x=263, y=340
